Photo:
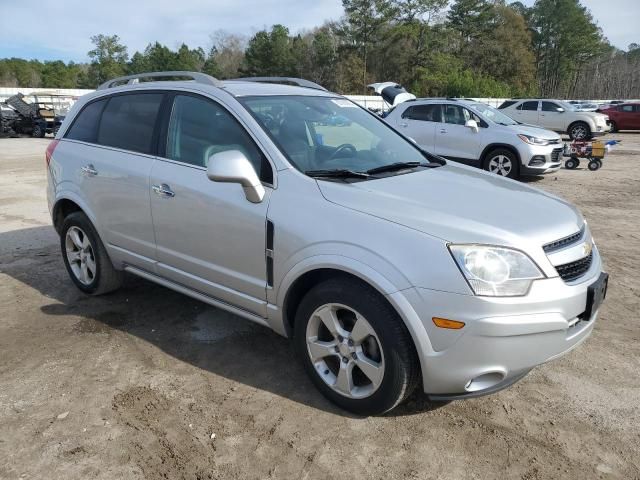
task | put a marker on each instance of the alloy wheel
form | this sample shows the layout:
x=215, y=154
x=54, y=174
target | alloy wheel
x=345, y=350
x=80, y=255
x=501, y=165
x=579, y=132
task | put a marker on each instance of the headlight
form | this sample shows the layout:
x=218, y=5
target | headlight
x=531, y=140
x=495, y=271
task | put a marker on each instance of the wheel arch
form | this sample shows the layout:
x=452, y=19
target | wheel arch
x=494, y=146
x=589, y=123
x=66, y=204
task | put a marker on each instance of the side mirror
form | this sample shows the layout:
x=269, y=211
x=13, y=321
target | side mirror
x=473, y=125
x=233, y=167
x=560, y=110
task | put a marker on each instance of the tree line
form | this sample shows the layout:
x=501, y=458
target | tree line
x=478, y=48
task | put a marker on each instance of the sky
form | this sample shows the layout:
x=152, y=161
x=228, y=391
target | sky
x=61, y=29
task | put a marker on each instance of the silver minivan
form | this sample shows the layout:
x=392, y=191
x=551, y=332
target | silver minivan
x=390, y=268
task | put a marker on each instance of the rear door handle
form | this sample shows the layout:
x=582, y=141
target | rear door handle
x=403, y=124
x=89, y=170
x=163, y=190
x=443, y=130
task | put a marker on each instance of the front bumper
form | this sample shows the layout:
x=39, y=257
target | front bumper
x=503, y=338
x=540, y=160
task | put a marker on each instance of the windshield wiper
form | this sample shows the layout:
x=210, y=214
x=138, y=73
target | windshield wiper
x=336, y=173
x=392, y=167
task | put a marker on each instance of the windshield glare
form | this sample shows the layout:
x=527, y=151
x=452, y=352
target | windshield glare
x=324, y=133
x=493, y=114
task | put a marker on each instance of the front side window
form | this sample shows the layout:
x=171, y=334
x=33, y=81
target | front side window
x=128, y=121
x=530, y=106
x=627, y=108
x=199, y=128
x=325, y=133
x=455, y=115
x=425, y=113
x=85, y=126
x=550, y=107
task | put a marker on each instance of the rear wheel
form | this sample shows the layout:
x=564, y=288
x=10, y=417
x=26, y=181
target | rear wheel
x=502, y=162
x=614, y=127
x=85, y=257
x=594, y=165
x=579, y=131
x=354, y=347
x=38, y=132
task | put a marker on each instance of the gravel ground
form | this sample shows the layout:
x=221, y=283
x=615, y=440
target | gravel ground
x=134, y=384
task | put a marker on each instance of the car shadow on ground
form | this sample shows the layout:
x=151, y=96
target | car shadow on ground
x=190, y=331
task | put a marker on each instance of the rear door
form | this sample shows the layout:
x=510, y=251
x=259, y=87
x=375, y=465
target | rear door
x=454, y=140
x=114, y=152
x=420, y=122
x=209, y=236
x=636, y=117
x=551, y=118
x=527, y=112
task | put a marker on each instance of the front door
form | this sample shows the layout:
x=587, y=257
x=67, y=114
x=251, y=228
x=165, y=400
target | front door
x=454, y=140
x=552, y=116
x=209, y=236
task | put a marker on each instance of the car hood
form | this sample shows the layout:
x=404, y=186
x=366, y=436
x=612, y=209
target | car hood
x=534, y=131
x=461, y=204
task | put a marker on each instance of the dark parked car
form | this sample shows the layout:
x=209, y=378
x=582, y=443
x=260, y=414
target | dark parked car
x=625, y=116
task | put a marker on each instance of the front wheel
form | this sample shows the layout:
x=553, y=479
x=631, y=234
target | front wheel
x=594, y=165
x=614, y=127
x=38, y=132
x=85, y=257
x=572, y=164
x=354, y=347
x=579, y=131
x=502, y=162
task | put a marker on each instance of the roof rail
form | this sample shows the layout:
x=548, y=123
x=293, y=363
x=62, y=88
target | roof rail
x=300, y=82
x=133, y=79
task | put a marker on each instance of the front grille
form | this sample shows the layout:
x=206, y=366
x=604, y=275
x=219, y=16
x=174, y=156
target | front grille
x=574, y=270
x=563, y=242
x=555, y=155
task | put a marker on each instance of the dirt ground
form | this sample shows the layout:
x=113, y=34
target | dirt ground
x=134, y=384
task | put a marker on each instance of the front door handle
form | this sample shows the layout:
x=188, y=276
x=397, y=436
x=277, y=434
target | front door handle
x=163, y=190
x=443, y=130
x=89, y=170
x=403, y=124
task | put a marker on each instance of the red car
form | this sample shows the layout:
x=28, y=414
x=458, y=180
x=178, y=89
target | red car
x=625, y=116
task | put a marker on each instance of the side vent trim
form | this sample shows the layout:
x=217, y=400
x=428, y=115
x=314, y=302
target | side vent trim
x=269, y=252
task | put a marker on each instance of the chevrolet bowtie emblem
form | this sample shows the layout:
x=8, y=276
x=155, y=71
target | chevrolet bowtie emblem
x=587, y=248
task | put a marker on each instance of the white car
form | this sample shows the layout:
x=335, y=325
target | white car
x=559, y=116
x=476, y=134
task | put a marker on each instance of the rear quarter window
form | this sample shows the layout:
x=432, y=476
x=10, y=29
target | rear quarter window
x=128, y=121
x=85, y=125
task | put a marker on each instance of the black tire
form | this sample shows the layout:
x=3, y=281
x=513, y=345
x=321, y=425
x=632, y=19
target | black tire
x=579, y=131
x=571, y=164
x=496, y=153
x=106, y=278
x=614, y=127
x=38, y=132
x=401, y=369
x=594, y=165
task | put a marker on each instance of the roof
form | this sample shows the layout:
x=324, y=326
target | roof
x=238, y=88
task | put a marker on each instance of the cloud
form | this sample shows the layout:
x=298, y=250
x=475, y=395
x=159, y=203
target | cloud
x=62, y=29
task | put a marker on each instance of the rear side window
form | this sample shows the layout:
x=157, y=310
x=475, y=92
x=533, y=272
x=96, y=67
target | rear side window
x=627, y=108
x=426, y=113
x=508, y=103
x=85, y=126
x=532, y=106
x=128, y=121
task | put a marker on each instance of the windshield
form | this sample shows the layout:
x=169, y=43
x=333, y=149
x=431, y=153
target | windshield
x=493, y=114
x=324, y=133
x=568, y=107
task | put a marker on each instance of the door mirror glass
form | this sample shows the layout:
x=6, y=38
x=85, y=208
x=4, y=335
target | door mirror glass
x=472, y=124
x=232, y=166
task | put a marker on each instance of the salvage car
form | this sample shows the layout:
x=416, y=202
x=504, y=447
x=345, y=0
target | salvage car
x=625, y=116
x=476, y=134
x=558, y=116
x=389, y=267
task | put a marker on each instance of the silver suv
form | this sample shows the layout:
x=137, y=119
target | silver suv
x=290, y=206
x=476, y=134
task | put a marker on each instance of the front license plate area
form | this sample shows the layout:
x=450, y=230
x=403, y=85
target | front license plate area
x=596, y=293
